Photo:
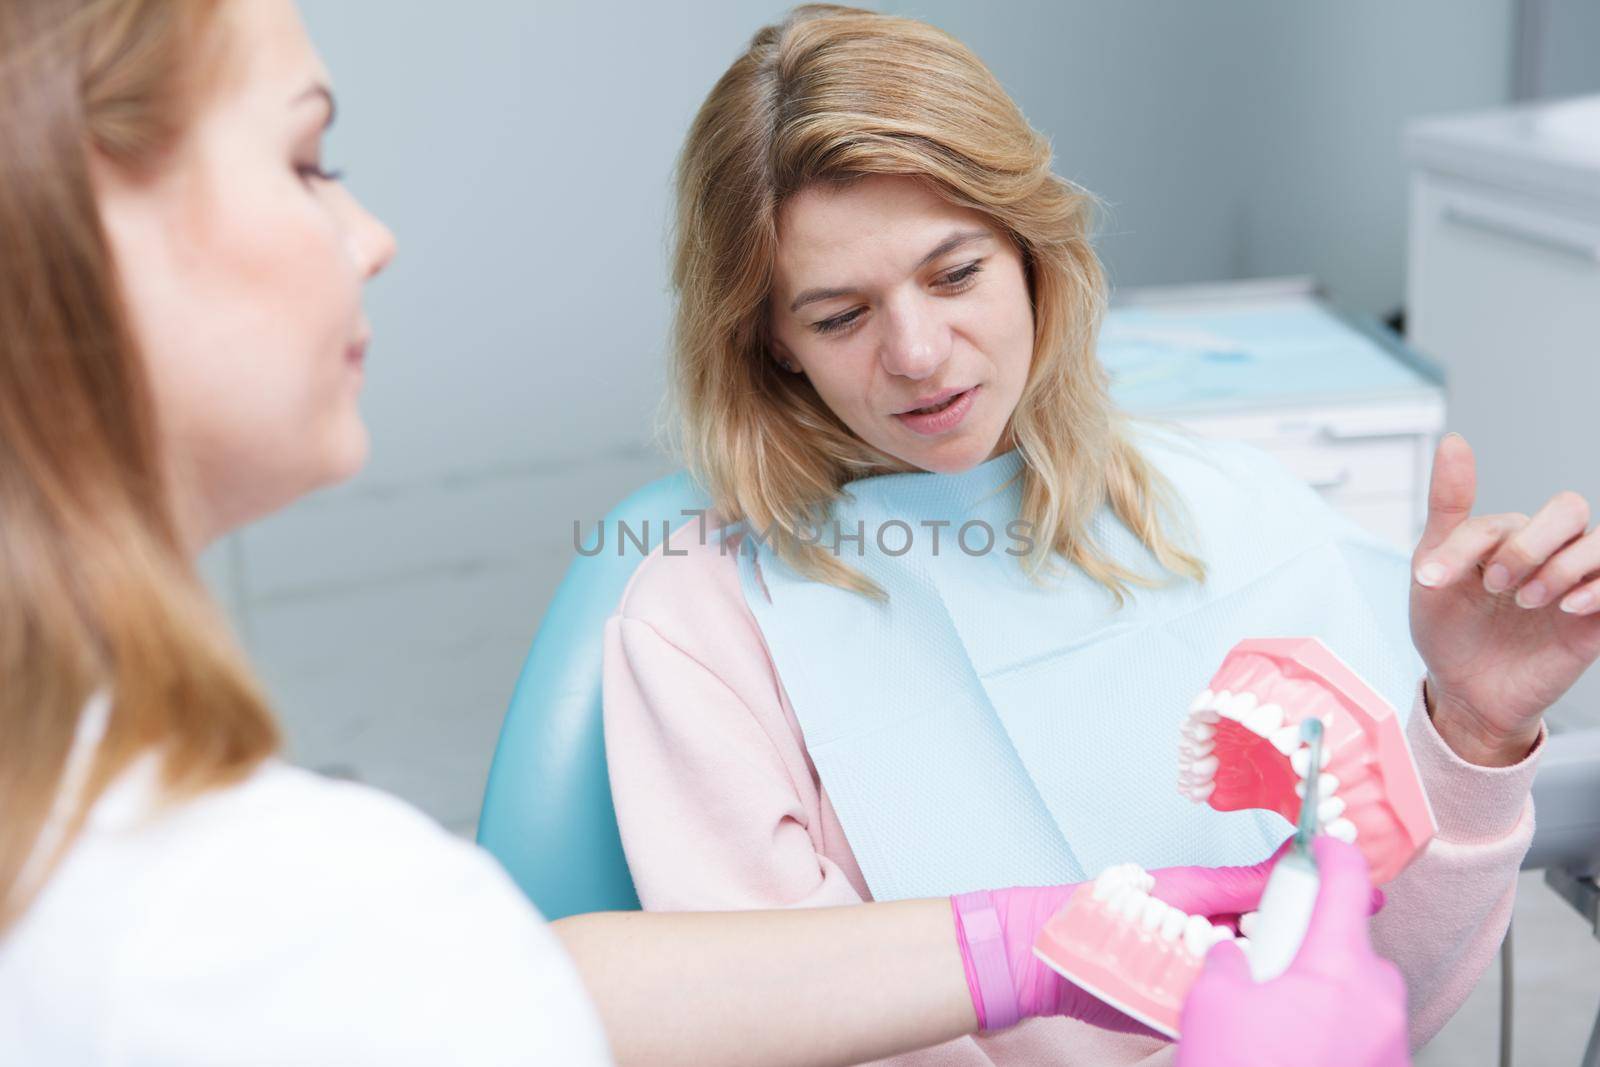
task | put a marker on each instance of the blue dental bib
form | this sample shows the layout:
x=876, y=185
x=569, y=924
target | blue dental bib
x=982, y=729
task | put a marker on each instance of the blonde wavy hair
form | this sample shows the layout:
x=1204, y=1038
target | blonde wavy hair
x=99, y=594
x=833, y=94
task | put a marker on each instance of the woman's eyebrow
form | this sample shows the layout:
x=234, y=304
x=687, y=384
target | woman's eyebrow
x=318, y=91
x=956, y=240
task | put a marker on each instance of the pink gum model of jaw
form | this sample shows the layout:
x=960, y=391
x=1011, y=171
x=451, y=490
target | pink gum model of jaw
x=1241, y=749
x=1128, y=948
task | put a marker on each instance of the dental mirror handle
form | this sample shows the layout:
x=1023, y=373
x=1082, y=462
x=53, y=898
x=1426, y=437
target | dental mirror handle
x=1283, y=917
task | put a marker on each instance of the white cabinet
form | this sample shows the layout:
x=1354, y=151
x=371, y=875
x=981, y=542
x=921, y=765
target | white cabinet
x=1379, y=479
x=1503, y=290
x=1338, y=401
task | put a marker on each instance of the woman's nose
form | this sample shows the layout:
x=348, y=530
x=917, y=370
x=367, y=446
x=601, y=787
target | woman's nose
x=915, y=345
x=382, y=248
x=372, y=244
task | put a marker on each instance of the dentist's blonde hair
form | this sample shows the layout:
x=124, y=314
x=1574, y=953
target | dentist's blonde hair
x=832, y=94
x=97, y=592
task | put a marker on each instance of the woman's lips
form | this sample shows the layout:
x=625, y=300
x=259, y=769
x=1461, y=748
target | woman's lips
x=933, y=423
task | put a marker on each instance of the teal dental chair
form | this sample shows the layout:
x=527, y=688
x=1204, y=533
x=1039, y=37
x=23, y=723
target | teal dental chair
x=547, y=814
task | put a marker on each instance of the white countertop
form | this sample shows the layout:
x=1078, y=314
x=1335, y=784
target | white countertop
x=1547, y=148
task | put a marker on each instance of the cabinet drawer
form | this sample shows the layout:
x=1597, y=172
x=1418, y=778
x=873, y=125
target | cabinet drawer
x=1332, y=454
x=1360, y=467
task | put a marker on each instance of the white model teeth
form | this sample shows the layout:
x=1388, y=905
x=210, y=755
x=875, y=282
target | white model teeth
x=1330, y=806
x=1286, y=739
x=1248, y=922
x=1122, y=876
x=1124, y=890
x=1301, y=760
x=1235, y=706
x=1343, y=829
x=1264, y=720
x=1327, y=785
x=1199, y=935
x=1244, y=708
x=1196, y=763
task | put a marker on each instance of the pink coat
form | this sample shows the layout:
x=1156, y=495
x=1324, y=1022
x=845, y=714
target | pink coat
x=720, y=808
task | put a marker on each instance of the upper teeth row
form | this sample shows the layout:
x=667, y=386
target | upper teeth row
x=1197, y=766
x=1267, y=720
x=1125, y=891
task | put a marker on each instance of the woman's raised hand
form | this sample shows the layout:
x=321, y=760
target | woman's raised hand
x=1503, y=610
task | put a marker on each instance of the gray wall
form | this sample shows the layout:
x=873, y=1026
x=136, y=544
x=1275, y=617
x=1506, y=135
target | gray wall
x=521, y=152
x=1242, y=138
x=1559, y=46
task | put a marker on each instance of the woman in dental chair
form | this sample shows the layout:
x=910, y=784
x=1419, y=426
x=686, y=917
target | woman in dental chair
x=887, y=314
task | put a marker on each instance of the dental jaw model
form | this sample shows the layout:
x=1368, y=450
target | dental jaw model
x=1133, y=951
x=1242, y=749
x=1286, y=726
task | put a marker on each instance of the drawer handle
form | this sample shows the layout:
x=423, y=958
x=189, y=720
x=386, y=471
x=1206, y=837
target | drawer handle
x=1523, y=228
x=1334, y=480
x=1410, y=431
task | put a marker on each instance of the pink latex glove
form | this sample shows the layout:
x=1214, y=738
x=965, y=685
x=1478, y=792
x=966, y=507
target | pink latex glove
x=1338, y=1004
x=997, y=929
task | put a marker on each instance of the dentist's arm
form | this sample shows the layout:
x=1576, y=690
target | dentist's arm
x=811, y=987
x=840, y=985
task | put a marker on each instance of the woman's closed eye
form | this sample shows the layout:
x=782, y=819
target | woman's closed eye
x=961, y=278
x=838, y=322
x=956, y=281
x=315, y=171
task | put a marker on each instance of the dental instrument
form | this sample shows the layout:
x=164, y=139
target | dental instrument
x=1291, y=893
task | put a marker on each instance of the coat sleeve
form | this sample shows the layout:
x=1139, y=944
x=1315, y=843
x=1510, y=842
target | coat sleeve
x=711, y=813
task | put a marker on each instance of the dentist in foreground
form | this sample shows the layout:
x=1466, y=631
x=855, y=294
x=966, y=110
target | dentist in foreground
x=181, y=351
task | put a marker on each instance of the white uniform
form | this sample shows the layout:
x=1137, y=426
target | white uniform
x=287, y=920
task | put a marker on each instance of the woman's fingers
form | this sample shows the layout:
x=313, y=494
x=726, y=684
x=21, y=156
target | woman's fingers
x=1584, y=600
x=1561, y=576
x=1451, y=489
x=1561, y=522
x=1465, y=547
x=1543, y=559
